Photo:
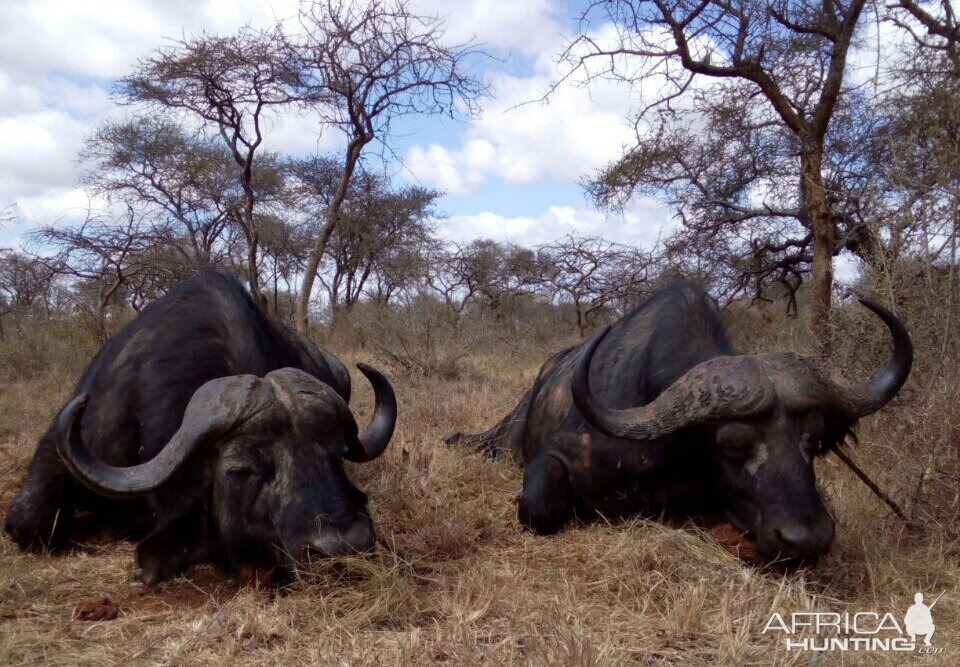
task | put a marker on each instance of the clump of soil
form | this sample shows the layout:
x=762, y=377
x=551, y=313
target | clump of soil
x=199, y=587
x=256, y=577
x=737, y=542
x=96, y=610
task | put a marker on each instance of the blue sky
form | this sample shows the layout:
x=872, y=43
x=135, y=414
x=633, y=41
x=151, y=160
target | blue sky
x=510, y=174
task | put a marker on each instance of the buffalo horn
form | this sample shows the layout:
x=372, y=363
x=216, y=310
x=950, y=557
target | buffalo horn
x=214, y=410
x=373, y=440
x=723, y=387
x=866, y=398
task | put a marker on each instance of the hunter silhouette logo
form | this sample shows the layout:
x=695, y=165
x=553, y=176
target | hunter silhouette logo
x=919, y=620
x=859, y=631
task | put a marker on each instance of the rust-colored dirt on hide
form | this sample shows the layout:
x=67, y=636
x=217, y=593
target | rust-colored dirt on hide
x=737, y=542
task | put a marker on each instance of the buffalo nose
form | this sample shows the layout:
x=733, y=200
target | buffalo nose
x=342, y=539
x=804, y=541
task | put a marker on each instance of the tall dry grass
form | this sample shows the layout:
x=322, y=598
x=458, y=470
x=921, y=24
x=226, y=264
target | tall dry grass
x=456, y=582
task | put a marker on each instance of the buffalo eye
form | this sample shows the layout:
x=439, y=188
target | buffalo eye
x=736, y=442
x=241, y=470
x=808, y=446
x=738, y=452
x=237, y=467
x=813, y=429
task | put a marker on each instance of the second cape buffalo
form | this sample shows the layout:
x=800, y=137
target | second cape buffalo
x=658, y=415
x=213, y=433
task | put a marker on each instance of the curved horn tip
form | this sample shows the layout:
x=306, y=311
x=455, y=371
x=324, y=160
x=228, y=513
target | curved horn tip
x=373, y=440
x=604, y=332
x=883, y=312
x=586, y=354
x=74, y=408
x=876, y=392
x=367, y=369
x=580, y=385
x=896, y=326
x=872, y=305
x=78, y=402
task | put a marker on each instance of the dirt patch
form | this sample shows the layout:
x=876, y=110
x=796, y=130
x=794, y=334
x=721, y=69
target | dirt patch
x=192, y=591
x=96, y=610
x=737, y=542
x=255, y=577
x=197, y=588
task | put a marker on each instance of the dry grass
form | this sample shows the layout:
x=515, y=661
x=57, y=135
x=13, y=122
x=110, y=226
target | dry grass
x=460, y=584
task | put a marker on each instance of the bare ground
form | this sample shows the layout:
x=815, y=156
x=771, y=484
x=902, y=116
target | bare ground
x=456, y=581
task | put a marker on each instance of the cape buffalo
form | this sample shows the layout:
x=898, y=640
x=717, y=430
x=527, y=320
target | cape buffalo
x=657, y=415
x=213, y=431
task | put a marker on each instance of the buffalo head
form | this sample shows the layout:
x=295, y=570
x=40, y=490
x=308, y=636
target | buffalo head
x=769, y=415
x=254, y=474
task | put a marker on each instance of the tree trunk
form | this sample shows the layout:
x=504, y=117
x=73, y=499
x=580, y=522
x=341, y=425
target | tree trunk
x=253, y=272
x=302, y=314
x=276, y=289
x=824, y=244
x=581, y=322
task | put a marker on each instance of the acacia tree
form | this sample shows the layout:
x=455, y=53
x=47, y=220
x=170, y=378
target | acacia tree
x=917, y=158
x=592, y=274
x=110, y=252
x=283, y=248
x=938, y=29
x=24, y=281
x=379, y=227
x=730, y=174
x=399, y=271
x=483, y=271
x=379, y=230
x=787, y=57
x=363, y=66
x=227, y=84
x=921, y=162
x=185, y=182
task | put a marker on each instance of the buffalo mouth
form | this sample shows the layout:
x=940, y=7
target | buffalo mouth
x=345, y=538
x=331, y=539
x=764, y=551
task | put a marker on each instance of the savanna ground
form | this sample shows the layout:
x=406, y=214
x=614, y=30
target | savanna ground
x=455, y=581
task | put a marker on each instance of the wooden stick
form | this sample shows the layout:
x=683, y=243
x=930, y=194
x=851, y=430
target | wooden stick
x=873, y=487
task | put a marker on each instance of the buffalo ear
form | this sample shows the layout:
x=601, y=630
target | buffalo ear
x=173, y=547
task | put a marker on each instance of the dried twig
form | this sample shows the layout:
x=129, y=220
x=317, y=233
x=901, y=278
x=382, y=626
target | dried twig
x=873, y=487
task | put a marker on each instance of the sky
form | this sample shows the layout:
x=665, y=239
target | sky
x=511, y=174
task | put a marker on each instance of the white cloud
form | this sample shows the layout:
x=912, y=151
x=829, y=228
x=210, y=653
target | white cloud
x=878, y=49
x=298, y=132
x=86, y=101
x=104, y=38
x=38, y=152
x=455, y=172
x=521, y=137
x=60, y=57
x=57, y=204
x=572, y=134
x=530, y=26
x=642, y=224
x=17, y=96
x=97, y=38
